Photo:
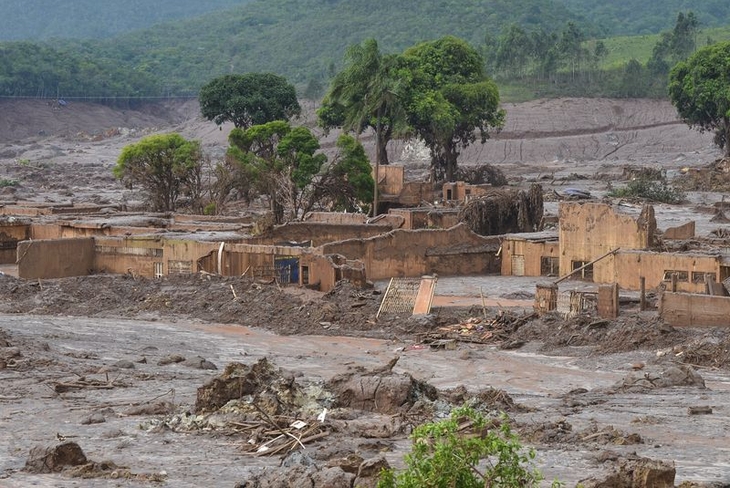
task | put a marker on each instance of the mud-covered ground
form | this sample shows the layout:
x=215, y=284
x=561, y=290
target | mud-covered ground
x=115, y=363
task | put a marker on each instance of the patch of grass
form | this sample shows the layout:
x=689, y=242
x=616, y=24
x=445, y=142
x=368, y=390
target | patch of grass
x=4, y=182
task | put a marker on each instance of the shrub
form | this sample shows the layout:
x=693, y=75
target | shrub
x=654, y=191
x=466, y=450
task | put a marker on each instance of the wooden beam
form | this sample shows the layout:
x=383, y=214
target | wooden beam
x=609, y=253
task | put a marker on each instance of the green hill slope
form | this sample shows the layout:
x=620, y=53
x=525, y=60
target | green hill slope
x=631, y=17
x=80, y=19
x=304, y=38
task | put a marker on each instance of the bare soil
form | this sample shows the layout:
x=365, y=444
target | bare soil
x=117, y=364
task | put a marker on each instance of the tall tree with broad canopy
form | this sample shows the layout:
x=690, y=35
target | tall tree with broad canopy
x=248, y=99
x=166, y=166
x=449, y=98
x=281, y=160
x=700, y=90
x=365, y=95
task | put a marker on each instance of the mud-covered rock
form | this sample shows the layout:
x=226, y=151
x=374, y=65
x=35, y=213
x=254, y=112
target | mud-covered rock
x=369, y=472
x=635, y=472
x=54, y=459
x=670, y=376
x=273, y=388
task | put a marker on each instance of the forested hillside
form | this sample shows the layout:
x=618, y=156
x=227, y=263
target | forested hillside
x=531, y=47
x=632, y=17
x=44, y=19
x=302, y=39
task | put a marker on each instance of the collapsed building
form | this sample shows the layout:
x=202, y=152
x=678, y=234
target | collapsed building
x=593, y=242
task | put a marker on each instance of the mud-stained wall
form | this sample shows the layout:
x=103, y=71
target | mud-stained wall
x=684, y=309
x=390, y=179
x=149, y=256
x=57, y=258
x=10, y=234
x=318, y=233
x=589, y=230
x=521, y=257
x=459, y=191
x=627, y=267
x=405, y=253
x=425, y=218
x=66, y=230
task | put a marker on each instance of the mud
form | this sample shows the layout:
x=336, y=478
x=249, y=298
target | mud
x=181, y=380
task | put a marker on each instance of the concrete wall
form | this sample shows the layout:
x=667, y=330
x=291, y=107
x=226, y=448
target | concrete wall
x=404, y=253
x=684, y=309
x=55, y=258
x=627, y=267
x=588, y=230
x=528, y=252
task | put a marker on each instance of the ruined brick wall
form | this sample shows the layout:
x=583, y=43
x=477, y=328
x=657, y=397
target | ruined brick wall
x=588, y=230
x=57, y=258
x=683, y=309
x=627, y=267
x=414, y=253
x=10, y=234
x=319, y=233
x=521, y=257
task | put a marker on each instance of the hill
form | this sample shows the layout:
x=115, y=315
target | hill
x=302, y=39
x=634, y=17
x=81, y=19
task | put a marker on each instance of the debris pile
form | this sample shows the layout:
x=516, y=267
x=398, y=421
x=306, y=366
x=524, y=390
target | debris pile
x=498, y=330
x=504, y=211
x=634, y=472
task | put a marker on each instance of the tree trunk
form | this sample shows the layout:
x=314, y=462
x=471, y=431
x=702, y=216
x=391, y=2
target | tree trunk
x=726, y=128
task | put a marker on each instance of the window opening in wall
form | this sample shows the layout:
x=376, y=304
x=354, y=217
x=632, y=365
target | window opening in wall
x=585, y=273
x=158, y=270
x=701, y=277
x=448, y=194
x=305, y=275
x=724, y=273
x=549, y=266
x=681, y=275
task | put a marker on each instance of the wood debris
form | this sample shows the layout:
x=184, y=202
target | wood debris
x=479, y=330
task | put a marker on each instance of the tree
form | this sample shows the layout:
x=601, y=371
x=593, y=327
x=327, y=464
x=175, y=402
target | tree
x=449, y=98
x=465, y=450
x=249, y=99
x=366, y=94
x=348, y=182
x=281, y=160
x=165, y=166
x=699, y=88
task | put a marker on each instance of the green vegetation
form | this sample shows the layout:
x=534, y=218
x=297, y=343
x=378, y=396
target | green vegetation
x=651, y=190
x=466, y=450
x=250, y=99
x=41, y=19
x=700, y=90
x=166, y=166
x=281, y=162
x=4, y=182
x=532, y=48
x=627, y=17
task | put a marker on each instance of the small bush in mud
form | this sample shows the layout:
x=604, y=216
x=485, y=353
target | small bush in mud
x=648, y=189
x=466, y=450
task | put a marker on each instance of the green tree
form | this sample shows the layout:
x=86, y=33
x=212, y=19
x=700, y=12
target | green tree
x=465, y=451
x=365, y=94
x=165, y=166
x=348, y=182
x=249, y=99
x=449, y=99
x=700, y=90
x=281, y=160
